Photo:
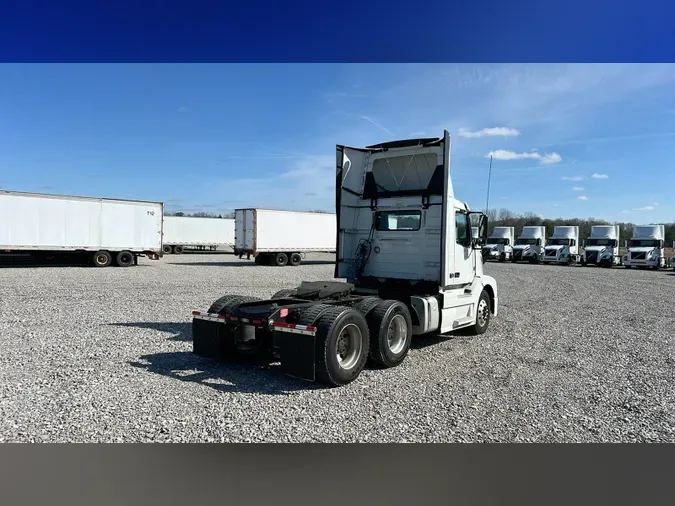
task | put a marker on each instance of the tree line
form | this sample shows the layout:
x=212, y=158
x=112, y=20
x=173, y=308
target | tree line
x=506, y=218
x=200, y=214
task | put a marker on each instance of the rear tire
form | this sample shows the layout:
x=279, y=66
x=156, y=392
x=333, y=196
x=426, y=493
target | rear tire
x=295, y=259
x=342, y=343
x=124, y=259
x=390, y=328
x=101, y=259
x=178, y=250
x=281, y=259
x=285, y=293
x=166, y=250
x=483, y=313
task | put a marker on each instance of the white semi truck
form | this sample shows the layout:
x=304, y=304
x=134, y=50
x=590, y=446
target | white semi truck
x=102, y=231
x=601, y=248
x=563, y=246
x=187, y=232
x=275, y=237
x=530, y=245
x=646, y=248
x=499, y=246
x=404, y=247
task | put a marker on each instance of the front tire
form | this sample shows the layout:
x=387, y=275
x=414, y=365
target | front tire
x=483, y=313
x=342, y=342
x=390, y=328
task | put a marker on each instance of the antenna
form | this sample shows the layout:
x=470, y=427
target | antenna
x=487, y=201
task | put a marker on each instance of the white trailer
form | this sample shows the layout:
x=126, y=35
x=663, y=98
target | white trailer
x=646, y=248
x=405, y=249
x=282, y=237
x=563, y=246
x=186, y=232
x=499, y=246
x=105, y=231
x=602, y=246
x=530, y=245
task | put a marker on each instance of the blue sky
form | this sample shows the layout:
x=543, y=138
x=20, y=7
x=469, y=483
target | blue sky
x=567, y=140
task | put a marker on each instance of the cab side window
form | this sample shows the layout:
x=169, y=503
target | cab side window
x=463, y=231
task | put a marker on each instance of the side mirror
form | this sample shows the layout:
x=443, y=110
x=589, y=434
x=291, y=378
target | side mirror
x=481, y=240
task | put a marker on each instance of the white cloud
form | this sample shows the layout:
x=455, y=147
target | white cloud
x=183, y=109
x=556, y=205
x=599, y=176
x=572, y=178
x=502, y=154
x=578, y=189
x=645, y=208
x=489, y=132
x=582, y=197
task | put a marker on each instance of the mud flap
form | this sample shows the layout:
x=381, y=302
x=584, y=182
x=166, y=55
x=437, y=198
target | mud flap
x=212, y=340
x=297, y=354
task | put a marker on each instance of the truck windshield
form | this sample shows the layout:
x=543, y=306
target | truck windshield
x=644, y=243
x=594, y=241
x=559, y=242
x=498, y=240
x=531, y=242
x=398, y=220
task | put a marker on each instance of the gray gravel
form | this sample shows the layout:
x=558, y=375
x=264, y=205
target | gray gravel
x=576, y=354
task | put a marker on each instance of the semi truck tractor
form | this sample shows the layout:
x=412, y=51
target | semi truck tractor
x=530, y=245
x=499, y=245
x=601, y=248
x=563, y=246
x=646, y=249
x=101, y=231
x=405, y=265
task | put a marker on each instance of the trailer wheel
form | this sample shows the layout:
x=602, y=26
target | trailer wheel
x=286, y=292
x=342, y=342
x=166, y=249
x=281, y=259
x=390, y=327
x=295, y=259
x=101, y=259
x=482, y=315
x=178, y=250
x=124, y=259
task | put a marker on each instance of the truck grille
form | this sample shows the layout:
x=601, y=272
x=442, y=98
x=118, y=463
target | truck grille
x=518, y=254
x=486, y=251
x=550, y=252
x=638, y=255
x=592, y=256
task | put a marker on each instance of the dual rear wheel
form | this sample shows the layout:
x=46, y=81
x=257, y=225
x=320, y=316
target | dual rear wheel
x=105, y=258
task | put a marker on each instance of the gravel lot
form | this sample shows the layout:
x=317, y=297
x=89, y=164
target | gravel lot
x=576, y=354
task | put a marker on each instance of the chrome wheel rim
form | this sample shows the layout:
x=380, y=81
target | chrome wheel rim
x=483, y=313
x=397, y=334
x=349, y=344
x=101, y=259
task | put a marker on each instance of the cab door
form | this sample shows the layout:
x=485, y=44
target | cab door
x=463, y=250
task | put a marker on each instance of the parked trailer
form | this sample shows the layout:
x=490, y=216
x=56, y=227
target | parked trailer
x=646, y=249
x=105, y=231
x=563, y=246
x=282, y=238
x=530, y=245
x=404, y=246
x=186, y=232
x=500, y=244
x=602, y=246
